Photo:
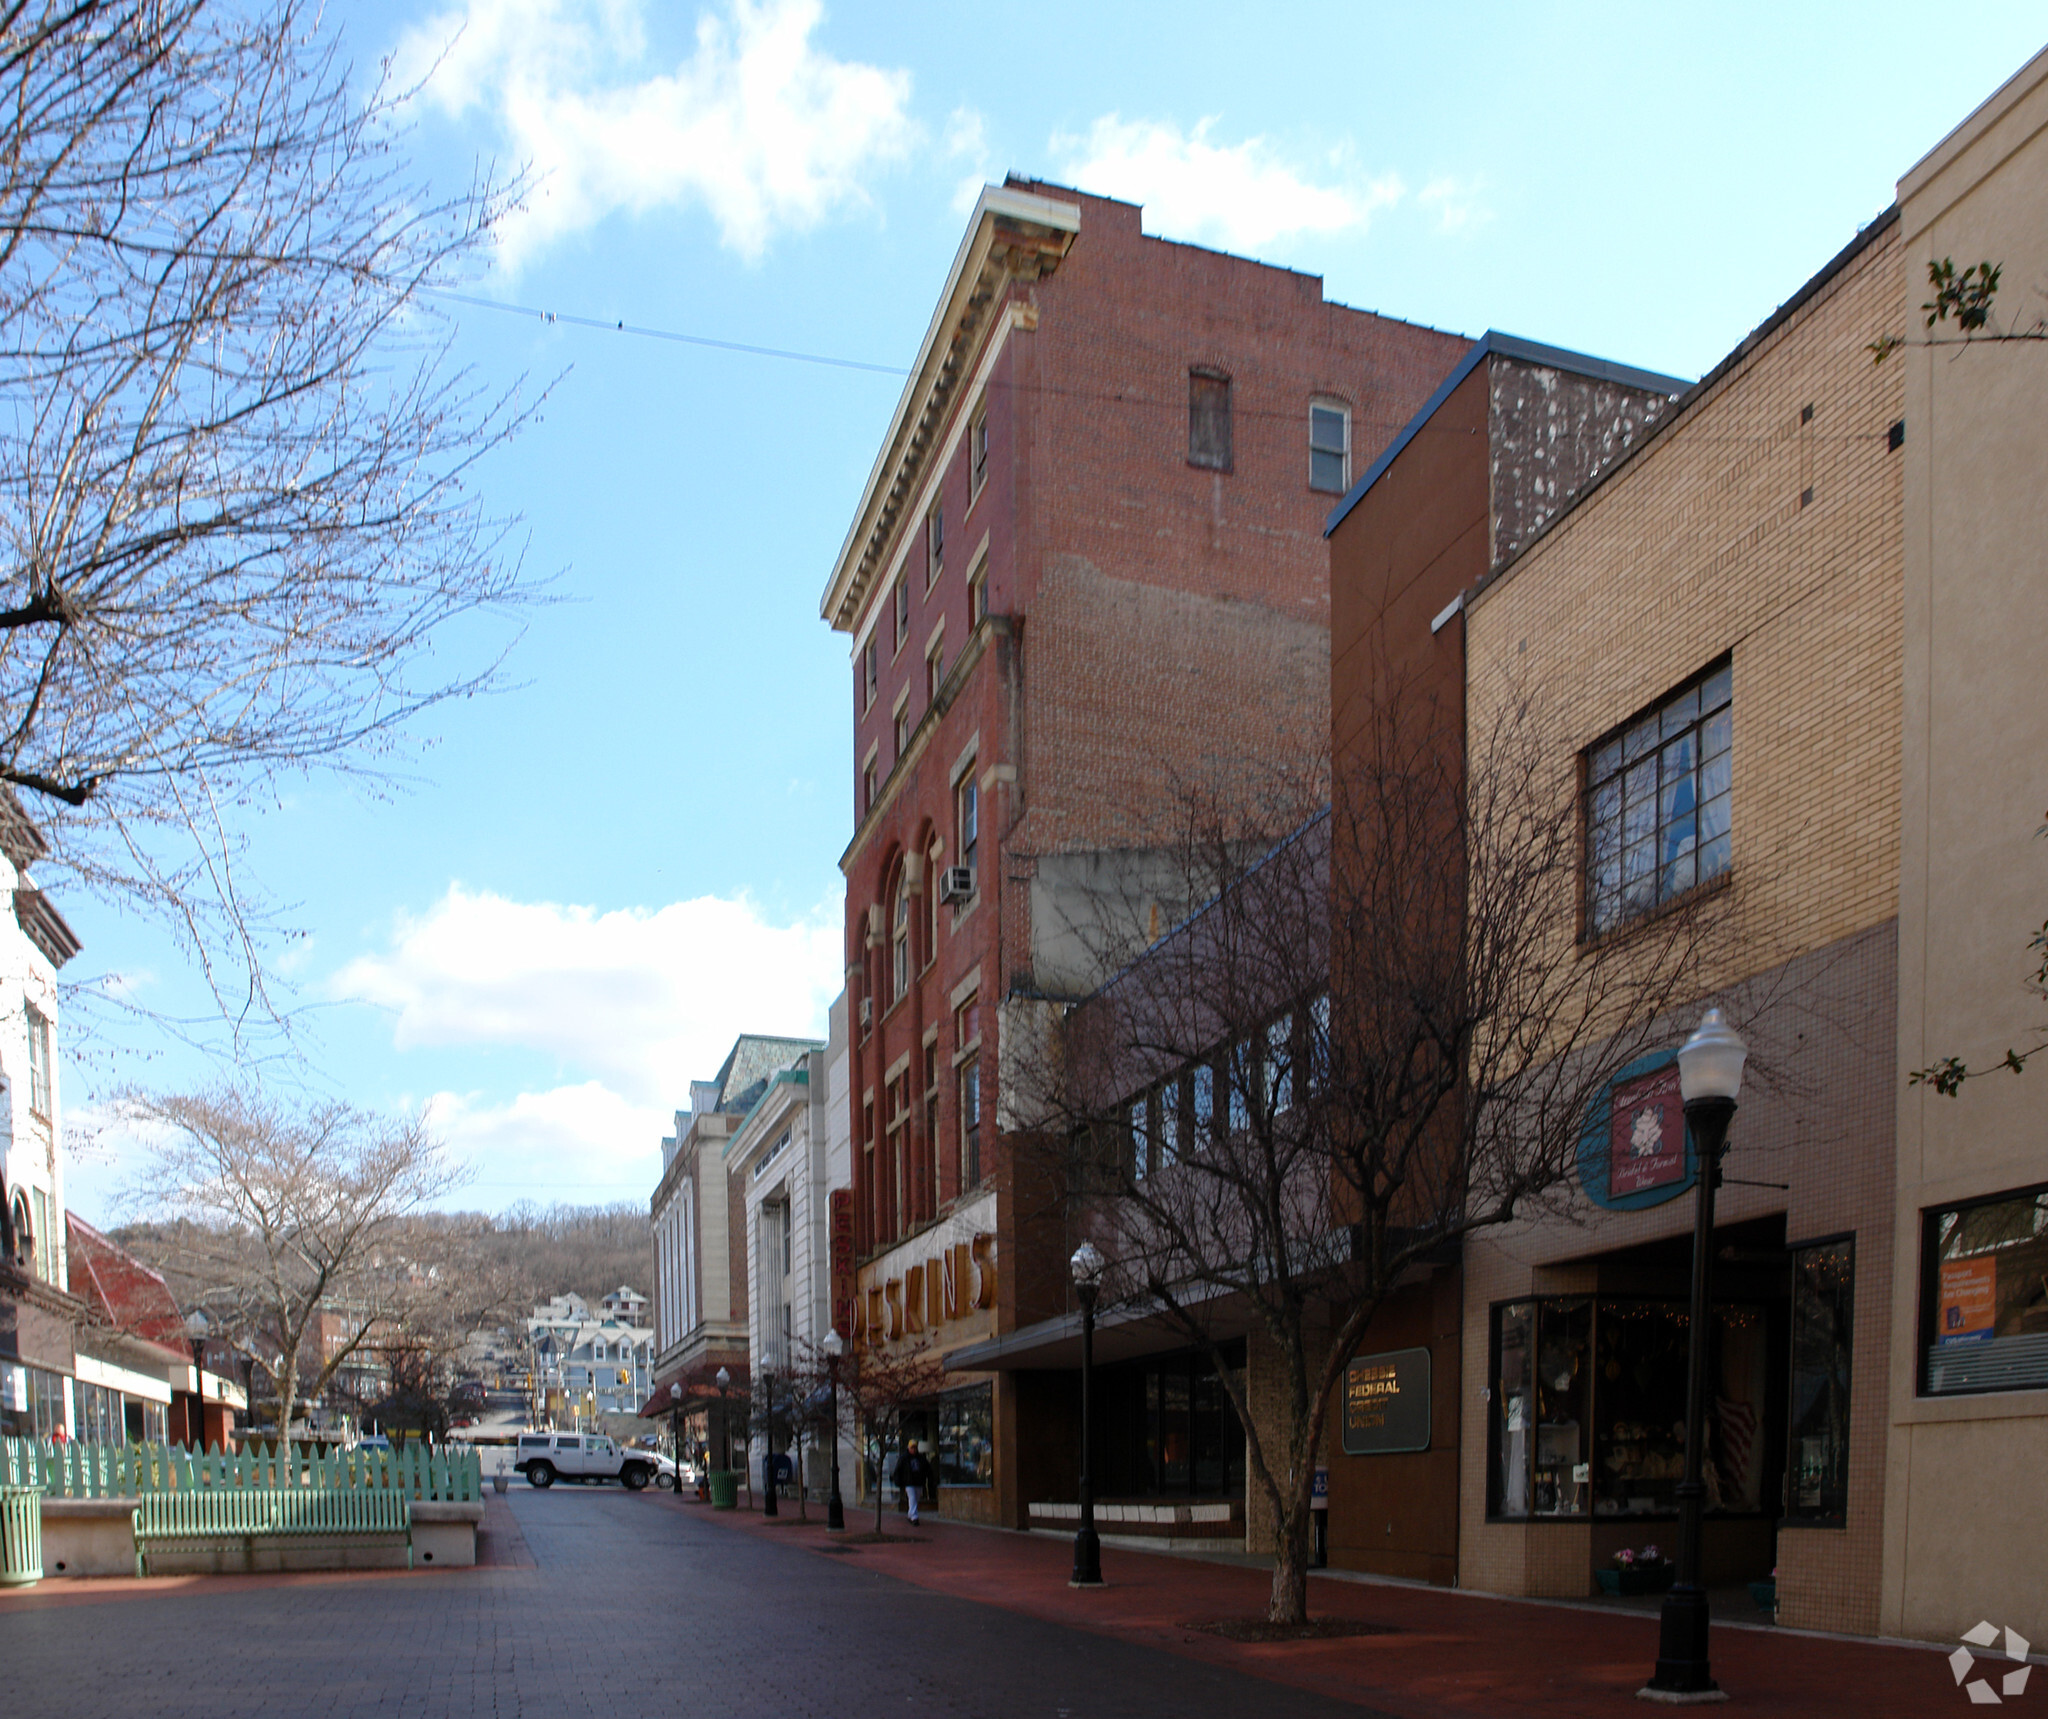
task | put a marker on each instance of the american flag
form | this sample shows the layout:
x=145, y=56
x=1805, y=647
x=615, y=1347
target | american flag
x=1738, y=1447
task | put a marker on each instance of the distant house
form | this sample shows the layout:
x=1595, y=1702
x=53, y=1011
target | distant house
x=583, y=1363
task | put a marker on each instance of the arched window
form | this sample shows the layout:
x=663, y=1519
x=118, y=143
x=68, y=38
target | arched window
x=24, y=1233
x=899, y=936
x=931, y=903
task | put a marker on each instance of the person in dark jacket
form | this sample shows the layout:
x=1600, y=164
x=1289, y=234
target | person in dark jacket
x=913, y=1476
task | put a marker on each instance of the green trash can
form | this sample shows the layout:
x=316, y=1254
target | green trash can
x=21, y=1536
x=725, y=1489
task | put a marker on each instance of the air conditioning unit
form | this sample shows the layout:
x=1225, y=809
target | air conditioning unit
x=956, y=885
x=867, y=1013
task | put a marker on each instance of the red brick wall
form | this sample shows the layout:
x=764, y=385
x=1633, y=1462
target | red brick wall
x=1155, y=623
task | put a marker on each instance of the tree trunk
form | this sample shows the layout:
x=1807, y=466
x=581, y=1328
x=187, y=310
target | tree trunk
x=1289, y=1602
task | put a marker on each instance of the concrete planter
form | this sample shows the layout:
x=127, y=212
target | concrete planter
x=96, y=1537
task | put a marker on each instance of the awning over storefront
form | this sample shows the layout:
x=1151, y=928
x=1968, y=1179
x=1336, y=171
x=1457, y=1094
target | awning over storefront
x=1121, y=1334
x=700, y=1386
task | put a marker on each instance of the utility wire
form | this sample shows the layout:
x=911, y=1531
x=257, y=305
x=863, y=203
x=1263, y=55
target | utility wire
x=665, y=334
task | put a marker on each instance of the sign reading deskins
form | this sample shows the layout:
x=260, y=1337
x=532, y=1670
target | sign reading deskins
x=842, y=1261
x=1386, y=1403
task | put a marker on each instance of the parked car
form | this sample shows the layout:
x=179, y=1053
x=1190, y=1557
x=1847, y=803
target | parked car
x=545, y=1458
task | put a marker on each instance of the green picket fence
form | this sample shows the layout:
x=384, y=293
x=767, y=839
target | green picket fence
x=436, y=1473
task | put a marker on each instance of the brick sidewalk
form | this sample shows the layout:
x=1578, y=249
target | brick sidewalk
x=1447, y=1654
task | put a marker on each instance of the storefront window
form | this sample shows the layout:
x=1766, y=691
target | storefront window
x=1168, y=1428
x=31, y=1401
x=966, y=1441
x=100, y=1417
x=1588, y=1408
x=1542, y=1403
x=1985, y=1296
x=1823, y=1282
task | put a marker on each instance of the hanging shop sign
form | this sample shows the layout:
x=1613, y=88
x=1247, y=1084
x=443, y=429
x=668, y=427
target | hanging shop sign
x=1633, y=1150
x=1386, y=1403
x=843, y=1282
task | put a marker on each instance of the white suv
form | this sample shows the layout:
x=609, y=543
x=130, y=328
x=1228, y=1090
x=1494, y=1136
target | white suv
x=545, y=1458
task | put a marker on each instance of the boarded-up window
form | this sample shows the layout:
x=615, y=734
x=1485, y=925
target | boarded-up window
x=1209, y=420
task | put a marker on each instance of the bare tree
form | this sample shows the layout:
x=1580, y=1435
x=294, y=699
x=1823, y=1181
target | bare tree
x=885, y=1385
x=1382, y=1034
x=234, y=521
x=267, y=1217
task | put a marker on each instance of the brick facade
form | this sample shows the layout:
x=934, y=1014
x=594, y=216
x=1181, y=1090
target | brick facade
x=1760, y=523
x=1149, y=624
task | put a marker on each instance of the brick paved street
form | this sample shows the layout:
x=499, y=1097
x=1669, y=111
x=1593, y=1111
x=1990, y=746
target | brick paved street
x=632, y=1606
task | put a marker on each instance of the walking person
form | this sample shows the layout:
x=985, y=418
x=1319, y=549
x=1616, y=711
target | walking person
x=913, y=1477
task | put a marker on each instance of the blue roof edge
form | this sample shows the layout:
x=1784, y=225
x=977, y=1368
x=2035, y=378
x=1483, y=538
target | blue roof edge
x=1490, y=343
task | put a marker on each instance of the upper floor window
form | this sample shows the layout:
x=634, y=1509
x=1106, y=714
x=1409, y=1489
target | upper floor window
x=867, y=785
x=1209, y=419
x=903, y=723
x=899, y=937
x=902, y=611
x=934, y=547
x=38, y=1062
x=977, y=595
x=969, y=817
x=1329, y=447
x=1657, y=802
x=934, y=668
x=977, y=453
x=870, y=674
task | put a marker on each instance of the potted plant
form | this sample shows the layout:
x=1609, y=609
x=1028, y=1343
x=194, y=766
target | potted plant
x=1636, y=1572
x=1766, y=1595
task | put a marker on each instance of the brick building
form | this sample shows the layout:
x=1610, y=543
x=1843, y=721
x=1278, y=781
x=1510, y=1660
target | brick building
x=1086, y=576
x=1508, y=442
x=1713, y=635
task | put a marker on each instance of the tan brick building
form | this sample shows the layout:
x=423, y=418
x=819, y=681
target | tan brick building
x=1712, y=638
x=1966, y=1515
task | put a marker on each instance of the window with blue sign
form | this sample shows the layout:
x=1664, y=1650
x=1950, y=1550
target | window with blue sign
x=1984, y=1307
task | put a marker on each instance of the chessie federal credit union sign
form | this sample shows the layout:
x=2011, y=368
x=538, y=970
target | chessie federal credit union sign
x=1386, y=1403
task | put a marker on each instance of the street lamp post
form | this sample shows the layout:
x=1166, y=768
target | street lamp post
x=196, y=1326
x=1087, y=1265
x=1709, y=1078
x=724, y=1432
x=768, y=1504
x=675, y=1423
x=835, y=1507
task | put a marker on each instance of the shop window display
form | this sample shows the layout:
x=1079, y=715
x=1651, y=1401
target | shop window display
x=965, y=1439
x=1589, y=1408
x=1823, y=1279
x=1985, y=1296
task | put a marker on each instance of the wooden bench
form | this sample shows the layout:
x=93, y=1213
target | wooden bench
x=191, y=1519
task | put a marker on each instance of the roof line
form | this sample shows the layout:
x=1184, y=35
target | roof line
x=1494, y=342
x=1865, y=237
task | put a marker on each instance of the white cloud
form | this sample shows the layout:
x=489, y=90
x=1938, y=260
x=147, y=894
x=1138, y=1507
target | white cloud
x=967, y=140
x=1239, y=195
x=644, y=1001
x=1455, y=203
x=623, y=1009
x=758, y=125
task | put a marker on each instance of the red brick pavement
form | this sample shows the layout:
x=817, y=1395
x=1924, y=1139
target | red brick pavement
x=1448, y=1653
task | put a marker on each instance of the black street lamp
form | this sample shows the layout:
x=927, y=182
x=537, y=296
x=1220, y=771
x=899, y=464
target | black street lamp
x=1087, y=1265
x=1709, y=1078
x=835, y=1507
x=768, y=1506
x=675, y=1425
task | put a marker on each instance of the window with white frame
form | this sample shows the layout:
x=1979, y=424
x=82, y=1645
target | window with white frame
x=899, y=938
x=1329, y=446
x=870, y=674
x=970, y=1124
x=1657, y=802
x=38, y=1062
x=934, y=544
x=934, y=668
x=977, y=453
x=967, y=820
x=901, y=602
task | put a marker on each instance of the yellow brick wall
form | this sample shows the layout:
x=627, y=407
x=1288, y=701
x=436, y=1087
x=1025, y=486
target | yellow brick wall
x=1700, y=546
x=1697, y=548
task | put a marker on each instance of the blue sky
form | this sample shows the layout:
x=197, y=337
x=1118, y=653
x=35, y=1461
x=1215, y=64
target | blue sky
x=584, y=885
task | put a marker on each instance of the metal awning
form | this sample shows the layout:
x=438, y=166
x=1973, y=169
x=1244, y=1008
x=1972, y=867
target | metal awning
x=1121, y=1334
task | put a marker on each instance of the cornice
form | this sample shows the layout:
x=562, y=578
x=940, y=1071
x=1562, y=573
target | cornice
x=1014, y=237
